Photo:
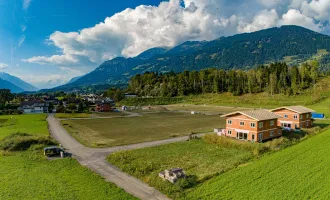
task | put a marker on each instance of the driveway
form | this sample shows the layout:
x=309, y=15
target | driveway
x=94, y=159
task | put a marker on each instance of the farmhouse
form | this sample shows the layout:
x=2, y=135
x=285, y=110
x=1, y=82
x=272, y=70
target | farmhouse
x=252, y=125
x=33, y=107
x=294, y=117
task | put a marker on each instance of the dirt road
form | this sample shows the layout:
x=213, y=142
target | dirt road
x=94, y=159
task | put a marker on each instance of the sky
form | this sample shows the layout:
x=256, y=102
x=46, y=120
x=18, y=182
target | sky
x=49, y=42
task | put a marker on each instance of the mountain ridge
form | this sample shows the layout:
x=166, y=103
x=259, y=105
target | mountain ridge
x=241, y=51
x=18, y=82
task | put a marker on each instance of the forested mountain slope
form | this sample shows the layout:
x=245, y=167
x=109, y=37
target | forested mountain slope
x=241, y=51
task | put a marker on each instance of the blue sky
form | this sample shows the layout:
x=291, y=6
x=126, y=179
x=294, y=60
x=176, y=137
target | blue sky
x=33, y=24
x=55, y=40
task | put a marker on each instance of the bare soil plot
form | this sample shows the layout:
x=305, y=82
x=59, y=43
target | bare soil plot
x=149, y=127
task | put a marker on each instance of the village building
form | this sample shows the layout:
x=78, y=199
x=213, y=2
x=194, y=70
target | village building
x=294, y=117
x=102, y=107
x=252, y=125
x=37, y=106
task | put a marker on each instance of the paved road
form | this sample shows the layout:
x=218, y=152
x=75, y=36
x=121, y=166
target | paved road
x=94, y=158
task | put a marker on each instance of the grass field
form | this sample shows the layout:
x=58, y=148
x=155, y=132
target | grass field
x=298, y=172
x=206, y=109
x=88, y=115
x=196, y=157
x=29, y=175
x=149, y=127
x=32, y=124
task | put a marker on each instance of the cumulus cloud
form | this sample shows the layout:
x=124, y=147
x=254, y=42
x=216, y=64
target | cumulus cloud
x=264, y=19
x=133, y=31
x=295, y=17
x=3, y=66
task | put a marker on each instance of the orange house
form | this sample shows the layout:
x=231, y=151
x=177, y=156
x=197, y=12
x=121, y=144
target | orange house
x=293, y=117
x=252, y=125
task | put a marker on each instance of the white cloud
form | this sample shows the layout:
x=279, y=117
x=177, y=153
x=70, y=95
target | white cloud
x=26, y=4
x=318, y=9
x=132, y=31
x=21, y=40
x=295, y=17
x=3, y=66
x=264, y=19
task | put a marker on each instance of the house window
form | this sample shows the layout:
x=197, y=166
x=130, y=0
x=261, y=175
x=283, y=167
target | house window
x=229, y=132
x=261, y=124
x=307, y=124
x=307, y=116
x=252, y=137
x=295, y=117
x=301, y=116
x=253, y=125
x=272, y=123
x=286, y=116
x=229, y=122
x=241, y=123
x=271, y=133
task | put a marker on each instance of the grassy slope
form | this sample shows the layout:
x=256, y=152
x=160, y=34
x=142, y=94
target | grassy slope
x=299, y=172
x=121, y=131
x=29, y=175
x=33, y=124
x=195, y=157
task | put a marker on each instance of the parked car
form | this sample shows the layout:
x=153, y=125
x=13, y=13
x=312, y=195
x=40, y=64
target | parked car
x=54, y=151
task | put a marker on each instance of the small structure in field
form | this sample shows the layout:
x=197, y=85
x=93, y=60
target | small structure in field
x=172, y=175
x=220, y=131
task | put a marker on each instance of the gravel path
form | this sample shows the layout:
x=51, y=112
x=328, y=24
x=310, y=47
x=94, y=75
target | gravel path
x=94, y=158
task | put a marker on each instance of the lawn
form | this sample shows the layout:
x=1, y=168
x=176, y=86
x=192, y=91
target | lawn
x=32, y=124
x=29, y=175
x=149, y=127
x=196, y=157
x=298, y=172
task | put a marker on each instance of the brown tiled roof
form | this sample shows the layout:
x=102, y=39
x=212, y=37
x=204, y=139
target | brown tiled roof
x=297, y=109
x=259, y=115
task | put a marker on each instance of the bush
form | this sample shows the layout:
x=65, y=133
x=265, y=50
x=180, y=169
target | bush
x=188, y=182
x=23, y=141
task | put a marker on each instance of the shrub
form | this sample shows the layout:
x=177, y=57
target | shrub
x=188, y=182
x=23, y=141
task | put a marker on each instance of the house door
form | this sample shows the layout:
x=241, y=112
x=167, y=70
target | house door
x=260, y=137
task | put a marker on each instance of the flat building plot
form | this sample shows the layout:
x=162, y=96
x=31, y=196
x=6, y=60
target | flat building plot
x=131, y=130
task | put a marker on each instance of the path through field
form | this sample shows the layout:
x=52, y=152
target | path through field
x=94, y=158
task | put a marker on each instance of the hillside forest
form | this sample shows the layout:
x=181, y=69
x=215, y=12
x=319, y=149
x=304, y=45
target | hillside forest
x=276, y=78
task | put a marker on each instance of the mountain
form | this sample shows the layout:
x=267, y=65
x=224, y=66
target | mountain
x=18, y=82
x=8, y=85
x=74, y=79
x=242, y=51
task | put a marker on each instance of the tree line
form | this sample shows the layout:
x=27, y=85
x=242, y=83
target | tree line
x=276, y=78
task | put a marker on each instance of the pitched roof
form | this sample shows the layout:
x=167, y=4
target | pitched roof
x=259, y=115
x=297, y=109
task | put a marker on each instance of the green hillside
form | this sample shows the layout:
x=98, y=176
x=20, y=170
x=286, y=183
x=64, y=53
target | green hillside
x=299, y=172
x=288, y=43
